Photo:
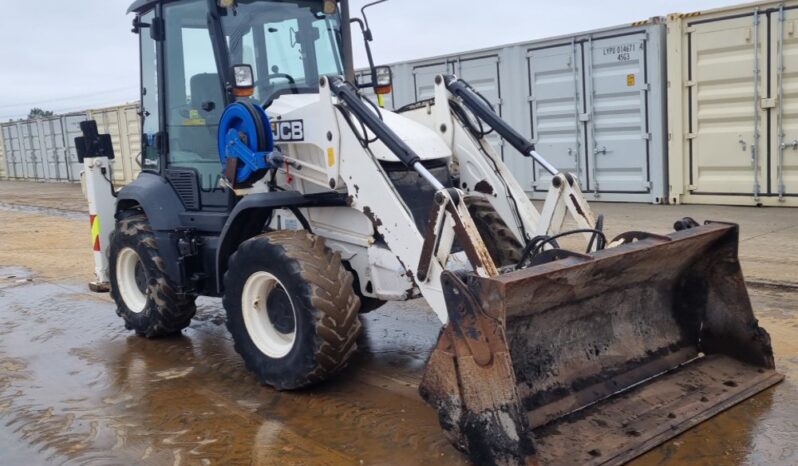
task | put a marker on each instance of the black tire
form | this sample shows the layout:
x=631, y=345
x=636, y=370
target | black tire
x=502, y=245
x=322, y=299
x=165, y=312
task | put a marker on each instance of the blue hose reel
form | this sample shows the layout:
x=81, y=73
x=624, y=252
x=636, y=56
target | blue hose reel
x=246, y=143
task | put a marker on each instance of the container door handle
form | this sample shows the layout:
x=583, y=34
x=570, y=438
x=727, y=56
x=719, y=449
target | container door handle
x=790, y=145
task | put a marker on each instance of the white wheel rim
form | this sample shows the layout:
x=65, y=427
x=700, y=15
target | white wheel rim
x=260, y=327
x=126, y=263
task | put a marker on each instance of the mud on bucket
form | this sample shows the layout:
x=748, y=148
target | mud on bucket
x=598, y=359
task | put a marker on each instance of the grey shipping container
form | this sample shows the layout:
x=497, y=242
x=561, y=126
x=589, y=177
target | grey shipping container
x=42, y=150
x=592, y=102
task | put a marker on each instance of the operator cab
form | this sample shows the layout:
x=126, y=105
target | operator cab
x=184, y=45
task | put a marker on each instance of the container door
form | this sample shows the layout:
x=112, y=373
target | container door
x=617, y=99
x=557, y=107
x=483, y=75
x=8, y=151
x=3, y=163
x=784, y=162
x=728, y=133
x=13, y=149
x=71, y=125
x=54, y=150
x=32, y=150
x=424, y=78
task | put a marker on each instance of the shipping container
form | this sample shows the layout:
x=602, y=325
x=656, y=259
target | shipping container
x=124, y=126
x=733, y=105
x=593, y=103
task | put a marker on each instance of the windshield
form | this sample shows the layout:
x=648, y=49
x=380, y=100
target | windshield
x=289, y=44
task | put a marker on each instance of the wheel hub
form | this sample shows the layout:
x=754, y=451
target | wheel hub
x=280, y=311
x=131, y=278
x=269, y=315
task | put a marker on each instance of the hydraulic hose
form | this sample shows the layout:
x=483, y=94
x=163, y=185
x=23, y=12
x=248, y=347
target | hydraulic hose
x=354, y=103
x=477, y=104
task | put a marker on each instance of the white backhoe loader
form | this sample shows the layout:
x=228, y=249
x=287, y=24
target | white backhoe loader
x=269, y=180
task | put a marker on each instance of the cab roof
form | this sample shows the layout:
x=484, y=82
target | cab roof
x=141, y=5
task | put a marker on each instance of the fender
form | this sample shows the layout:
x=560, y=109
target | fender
x=249, y=216
x=160, y=203
x=156, y=196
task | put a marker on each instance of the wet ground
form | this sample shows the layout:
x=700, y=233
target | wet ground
x=76, y=388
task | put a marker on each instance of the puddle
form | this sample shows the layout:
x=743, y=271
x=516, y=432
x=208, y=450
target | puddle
x=64, y=213
x=76, y=388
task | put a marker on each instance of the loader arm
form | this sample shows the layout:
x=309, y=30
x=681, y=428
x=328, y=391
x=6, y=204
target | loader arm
x=462, y=117
x=372, y=193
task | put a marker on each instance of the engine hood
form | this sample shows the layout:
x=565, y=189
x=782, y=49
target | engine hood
x=424, y=141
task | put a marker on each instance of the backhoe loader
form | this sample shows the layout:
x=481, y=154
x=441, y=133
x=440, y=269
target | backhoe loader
x=270, y=181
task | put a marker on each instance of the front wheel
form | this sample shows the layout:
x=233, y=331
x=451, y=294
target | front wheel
x=145, y=296
x=291, y=308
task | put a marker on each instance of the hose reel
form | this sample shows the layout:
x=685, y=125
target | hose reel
x=246, y=143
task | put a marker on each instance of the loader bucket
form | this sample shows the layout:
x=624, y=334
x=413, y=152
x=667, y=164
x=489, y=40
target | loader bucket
x=599, y=358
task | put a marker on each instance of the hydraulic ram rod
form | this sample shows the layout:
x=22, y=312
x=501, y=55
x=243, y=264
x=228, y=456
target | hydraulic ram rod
x=348, y=94
x=482, y=109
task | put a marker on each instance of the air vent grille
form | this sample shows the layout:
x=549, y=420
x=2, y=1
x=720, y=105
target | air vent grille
x=186, y=185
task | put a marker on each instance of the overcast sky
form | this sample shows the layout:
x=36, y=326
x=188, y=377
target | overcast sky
x=67, y=55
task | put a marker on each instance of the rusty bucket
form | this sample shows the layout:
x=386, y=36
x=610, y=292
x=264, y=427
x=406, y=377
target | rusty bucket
x=596, y=359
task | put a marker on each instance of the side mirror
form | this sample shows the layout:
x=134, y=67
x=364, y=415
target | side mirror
x=384, y=84
x=380, y=78
x=244, y=85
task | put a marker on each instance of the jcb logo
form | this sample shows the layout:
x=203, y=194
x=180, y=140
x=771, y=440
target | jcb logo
x=288, y=131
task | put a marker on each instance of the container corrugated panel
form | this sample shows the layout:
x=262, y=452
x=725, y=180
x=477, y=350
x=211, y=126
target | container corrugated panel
x=592, y=102
x=53, y=145
x=13, y=151
x=3, y=169
x=123, y=124
x=733, y=105
x=34, y=164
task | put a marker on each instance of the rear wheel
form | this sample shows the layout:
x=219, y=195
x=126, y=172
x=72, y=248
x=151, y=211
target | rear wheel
x=502, y=245
x=291, y=308
x=145, y=297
